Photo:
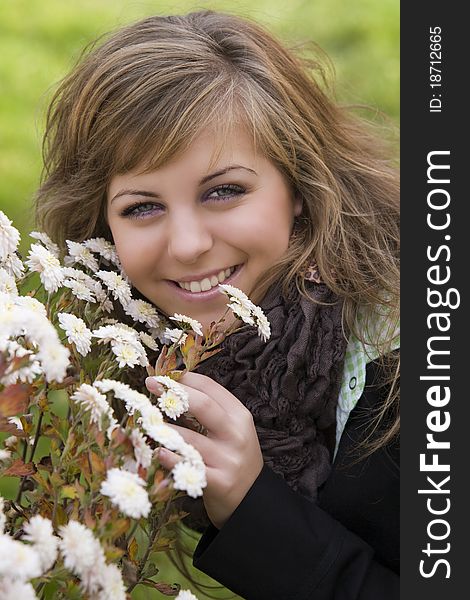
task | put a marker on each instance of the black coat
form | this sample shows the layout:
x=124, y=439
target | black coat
x=278, y=545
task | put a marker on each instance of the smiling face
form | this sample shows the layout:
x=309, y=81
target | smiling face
x=185, y=227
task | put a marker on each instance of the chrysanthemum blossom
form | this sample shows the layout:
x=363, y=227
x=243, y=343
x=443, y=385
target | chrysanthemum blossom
x=9, y=236
x=172, y=404
x=174, y=336
x=18, y=560
x=248, y=312
x=7, y=283
x=103, y=248
x=81, y=551
x=47, y=265
x=185, y=595
x=127, y=491
x=89, y=397
x=13, y=265
x=148, y=340
x=39, y=532
x=79, y=290
x=111, y=583
x=79, y=253
x=184, y=320
x=164, y=435
x=76, y=331
x=117, y=284
x=4, y=454
x=12, y=589
x=17, y=319
x=189, y=478
x=142, y=451
x=46, y=241
x=125, y=344
x=143, y=312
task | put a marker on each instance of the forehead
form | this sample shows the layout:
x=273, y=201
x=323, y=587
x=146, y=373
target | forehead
x=207, y=151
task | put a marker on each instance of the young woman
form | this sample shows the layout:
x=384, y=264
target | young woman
x=208, y=152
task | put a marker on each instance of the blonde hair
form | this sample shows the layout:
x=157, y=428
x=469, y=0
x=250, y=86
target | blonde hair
x=146, y=92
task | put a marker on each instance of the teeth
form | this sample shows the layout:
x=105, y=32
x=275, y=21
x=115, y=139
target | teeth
x=206, y=284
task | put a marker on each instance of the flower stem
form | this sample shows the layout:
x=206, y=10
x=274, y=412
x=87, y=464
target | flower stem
x=153, y=539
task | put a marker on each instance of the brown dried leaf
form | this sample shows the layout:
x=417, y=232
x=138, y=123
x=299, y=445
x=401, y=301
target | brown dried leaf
x=14, y=399
x=20, y=469
x=132, y=550
x=164, y=588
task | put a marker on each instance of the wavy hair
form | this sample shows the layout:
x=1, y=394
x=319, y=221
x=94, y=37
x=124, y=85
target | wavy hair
x=141, y=96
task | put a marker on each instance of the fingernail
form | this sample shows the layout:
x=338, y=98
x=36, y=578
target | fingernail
x=153, y=385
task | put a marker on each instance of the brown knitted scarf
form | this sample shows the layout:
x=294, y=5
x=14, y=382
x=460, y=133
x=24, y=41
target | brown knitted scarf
x=290, y=383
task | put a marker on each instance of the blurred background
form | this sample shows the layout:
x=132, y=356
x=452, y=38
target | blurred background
x=40, y=40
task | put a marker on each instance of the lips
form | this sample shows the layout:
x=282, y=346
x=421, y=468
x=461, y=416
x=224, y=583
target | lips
x=207, y=283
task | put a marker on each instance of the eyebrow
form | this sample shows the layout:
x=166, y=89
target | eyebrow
x=147, y=194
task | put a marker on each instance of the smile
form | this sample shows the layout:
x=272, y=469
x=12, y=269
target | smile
x=207, y=283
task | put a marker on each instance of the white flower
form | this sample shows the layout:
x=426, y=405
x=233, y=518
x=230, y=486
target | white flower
x=103, y=248
x=127, y=491
x=77, y=332
x=54, y=360
x=117, y=284
x=46, y=240
x=9, y=236
x=16, y=421
x=243, y=311
x=13, y=265
x=4, y=454
x=78, y=253
x=7, y=283
x=80, y=549
x=39, y=532
x=189, y=478
x=143, y=312
x=174, y=386
x=191, y=455
x=134, y=400
x=17, y=560
x=125, y=344
x=172, y=404
x=10, y=441
x=174, y=336
x=150, y=415
x=89, y=397
x=142, y=451
x=47, y=265
x=32, y=304
x=193, y=324
x=264, y=328
x=164, y=435
x=148, y=340
x=233, y=293
x=11, y=589
x=185, y=595
x=79, y=290
x=112, y=585
x=126, y=354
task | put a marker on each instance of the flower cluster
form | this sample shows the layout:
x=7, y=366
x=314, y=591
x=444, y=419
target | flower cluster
x=95, y=498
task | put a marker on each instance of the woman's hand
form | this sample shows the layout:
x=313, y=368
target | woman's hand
x=230, y=450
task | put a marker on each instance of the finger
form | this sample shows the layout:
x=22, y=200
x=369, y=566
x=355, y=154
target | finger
x=205, y=407
x=167, y=458
x=204, y=445
x=205, y=384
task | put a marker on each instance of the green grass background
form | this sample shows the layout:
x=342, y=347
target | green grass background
x=41, y=39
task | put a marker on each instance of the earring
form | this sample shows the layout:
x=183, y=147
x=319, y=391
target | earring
x=312, y=273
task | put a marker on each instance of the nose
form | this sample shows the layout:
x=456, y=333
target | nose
x=188, y=238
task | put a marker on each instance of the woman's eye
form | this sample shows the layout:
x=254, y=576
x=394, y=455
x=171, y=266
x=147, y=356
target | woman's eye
x=141, y=210
x=224, y=192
